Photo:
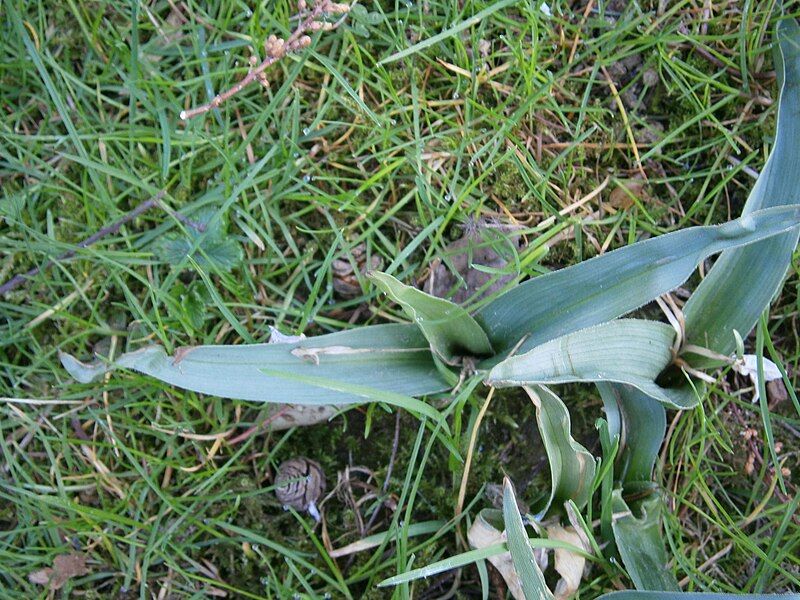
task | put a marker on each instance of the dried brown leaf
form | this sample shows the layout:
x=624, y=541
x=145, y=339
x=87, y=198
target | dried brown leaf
x=482, y=535
x=777, y=392
x=457, y=277
x=65, y=566
x=622, y=197
x=568, y=564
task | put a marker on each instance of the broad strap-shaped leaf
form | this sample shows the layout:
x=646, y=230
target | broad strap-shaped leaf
x=641, y=544
x=572, y=466
x=613, y=284
x=743, y=281
x=630, y=351
x=451, y=331
x=641, y=423
x=644, y=595
x=448, y=564
x=530, y=575
x=391, y=358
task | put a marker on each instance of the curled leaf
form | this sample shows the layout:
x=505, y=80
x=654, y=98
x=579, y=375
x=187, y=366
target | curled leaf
x=641, y=423
x=641, y=545
x=451, y=331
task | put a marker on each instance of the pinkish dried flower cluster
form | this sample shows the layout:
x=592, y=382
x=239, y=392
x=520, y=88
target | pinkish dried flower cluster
x=276, y=48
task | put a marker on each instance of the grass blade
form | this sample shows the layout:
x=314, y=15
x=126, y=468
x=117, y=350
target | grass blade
x=375, y=540
x=441, y=566
x=359, y=392
x=641, y=424
x=455, y=29
x=763, y=401
x=530, y=575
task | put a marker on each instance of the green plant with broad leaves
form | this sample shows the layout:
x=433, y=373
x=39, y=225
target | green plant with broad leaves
x=562, y=327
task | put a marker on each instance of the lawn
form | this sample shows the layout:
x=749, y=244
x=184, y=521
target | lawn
x=534, y=134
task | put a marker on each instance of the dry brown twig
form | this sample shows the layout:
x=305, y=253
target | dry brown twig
x=21, y=278
x=276, y=48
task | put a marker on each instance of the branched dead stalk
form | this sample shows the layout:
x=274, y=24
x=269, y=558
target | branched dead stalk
x=276, y=48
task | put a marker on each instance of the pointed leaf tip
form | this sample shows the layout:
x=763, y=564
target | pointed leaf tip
x=81, y=371
x=630, y=351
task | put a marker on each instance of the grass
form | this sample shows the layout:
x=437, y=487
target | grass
x=393, y=131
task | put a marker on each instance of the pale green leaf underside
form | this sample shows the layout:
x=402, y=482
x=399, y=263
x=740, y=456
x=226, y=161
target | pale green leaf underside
x=390, y=358
x=357, y=392
x=640, y=422
x=641, y=545
x=611, y=285
x=451, y=331
x=630, y=351
x=743, y=281
x=572, y=466
x=530, y=575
